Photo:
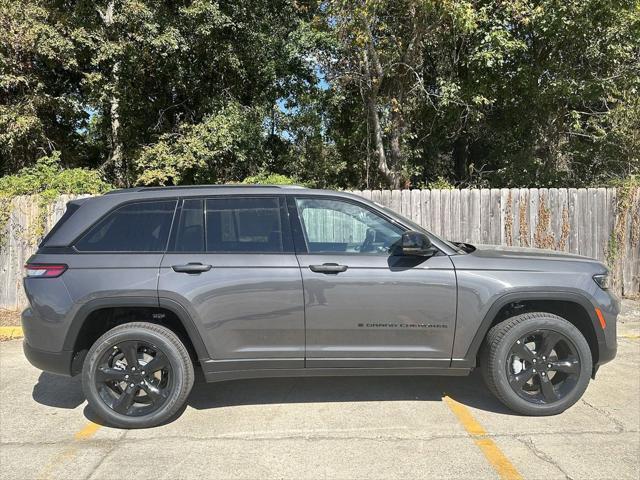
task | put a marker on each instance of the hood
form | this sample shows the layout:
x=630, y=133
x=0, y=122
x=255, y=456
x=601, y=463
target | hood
x=498, y=252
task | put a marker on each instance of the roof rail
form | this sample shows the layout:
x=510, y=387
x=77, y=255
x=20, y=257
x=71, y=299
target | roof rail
x=187, y=187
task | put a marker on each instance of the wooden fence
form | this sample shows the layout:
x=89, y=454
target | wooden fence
x=591, y=222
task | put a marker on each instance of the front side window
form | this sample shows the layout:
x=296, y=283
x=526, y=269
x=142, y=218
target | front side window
x=336, y=226
x=135, y=227
x=244, y=224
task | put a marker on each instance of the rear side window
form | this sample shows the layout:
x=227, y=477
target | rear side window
x=71, y=209
x=243, y=224
x=135, y=227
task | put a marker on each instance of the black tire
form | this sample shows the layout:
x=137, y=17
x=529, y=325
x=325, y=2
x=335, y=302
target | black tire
x=519, y=373
x=119, y=357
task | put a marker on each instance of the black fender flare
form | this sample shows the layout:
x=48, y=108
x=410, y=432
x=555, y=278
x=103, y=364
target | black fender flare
x=469, y=360
x=150, y=302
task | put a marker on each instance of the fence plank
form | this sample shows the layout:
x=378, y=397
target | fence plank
x=465, y=216
x=405, y=203
x=425, y=200
x=416, y=207
x=485, y=215
x=574, y=219
x=494, y=217
x=476, y=224
x=445, y=212
x=455, y=216
x=396, y=201
x=436, y=223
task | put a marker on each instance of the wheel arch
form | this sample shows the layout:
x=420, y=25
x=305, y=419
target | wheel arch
x=572, y=306
x=167, y=312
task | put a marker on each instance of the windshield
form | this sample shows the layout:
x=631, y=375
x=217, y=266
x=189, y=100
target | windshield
x=419, y=228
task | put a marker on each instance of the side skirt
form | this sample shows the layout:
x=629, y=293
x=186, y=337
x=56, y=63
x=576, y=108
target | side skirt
x=212, y=374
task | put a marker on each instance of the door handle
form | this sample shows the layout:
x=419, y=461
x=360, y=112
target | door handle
x=328, y=268
x=192, y=268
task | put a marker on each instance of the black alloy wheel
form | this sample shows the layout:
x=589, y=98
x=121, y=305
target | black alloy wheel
x=134, y=378
x=137, y=375
x=543, y=366
x=536, y=363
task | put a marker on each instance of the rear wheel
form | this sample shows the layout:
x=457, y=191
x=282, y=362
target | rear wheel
x=137, y=375
x=536, y=363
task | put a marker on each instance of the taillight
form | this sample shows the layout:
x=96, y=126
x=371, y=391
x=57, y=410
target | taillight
x=45, y=270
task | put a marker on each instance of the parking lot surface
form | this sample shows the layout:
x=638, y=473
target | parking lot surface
x=368, y=427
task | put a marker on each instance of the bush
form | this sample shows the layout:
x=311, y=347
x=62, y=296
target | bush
x=266, y=178
x=48, y=177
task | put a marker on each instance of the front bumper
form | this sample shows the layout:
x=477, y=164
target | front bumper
x=607, y=336
x=54, y=362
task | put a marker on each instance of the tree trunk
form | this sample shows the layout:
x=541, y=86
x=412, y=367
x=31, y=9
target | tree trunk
x=117, y=157
x=396, y=132
x=374, y=78
x=119, y=167
x=461, y=157
x=383, y=166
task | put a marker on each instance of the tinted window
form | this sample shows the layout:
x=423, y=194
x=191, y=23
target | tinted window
x=339, y=226
x=190, y=233
x=136, y=227
x=239, y=224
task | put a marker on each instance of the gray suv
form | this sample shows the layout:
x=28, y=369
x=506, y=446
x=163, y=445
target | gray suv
x=135, y=288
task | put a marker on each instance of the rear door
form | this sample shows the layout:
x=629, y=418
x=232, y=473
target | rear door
x=232, y=265
x=365, y=306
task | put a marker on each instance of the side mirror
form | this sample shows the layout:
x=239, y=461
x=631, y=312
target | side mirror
x=417, y=244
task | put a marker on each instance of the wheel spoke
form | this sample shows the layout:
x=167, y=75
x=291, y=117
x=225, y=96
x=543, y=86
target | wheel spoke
x=130, y=350
x=155, y=394
x=107, y=374
x=571, y=365
x=548, y=392
x=158, y=362
x=518, y=381
x=124, y=401
x=522, y=351
x=549, y=341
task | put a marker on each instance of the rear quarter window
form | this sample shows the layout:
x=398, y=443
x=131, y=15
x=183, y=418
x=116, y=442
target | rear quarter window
x=135, y=227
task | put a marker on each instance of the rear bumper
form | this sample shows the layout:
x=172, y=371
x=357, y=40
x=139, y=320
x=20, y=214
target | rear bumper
x=54, y=362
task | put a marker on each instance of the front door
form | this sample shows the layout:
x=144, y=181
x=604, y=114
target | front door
x=231, y=265
x=364, y=306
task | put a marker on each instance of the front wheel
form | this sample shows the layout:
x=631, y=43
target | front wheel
x=137, y=375
x=536, y=363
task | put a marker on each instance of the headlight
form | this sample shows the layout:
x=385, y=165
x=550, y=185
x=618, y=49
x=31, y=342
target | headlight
x=602, y=280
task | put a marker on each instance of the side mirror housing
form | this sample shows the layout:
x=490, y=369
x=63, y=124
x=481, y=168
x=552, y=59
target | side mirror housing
x=416, y=244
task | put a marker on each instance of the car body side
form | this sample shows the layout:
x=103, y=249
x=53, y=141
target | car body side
x=484, y=284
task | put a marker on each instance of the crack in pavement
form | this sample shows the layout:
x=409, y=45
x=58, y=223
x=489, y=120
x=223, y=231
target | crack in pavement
x=527, y=442
x=618, y=424
x=112, y=448
x=124, y=440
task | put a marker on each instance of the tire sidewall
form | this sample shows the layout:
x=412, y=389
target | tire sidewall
x=105, y=343
x=499, y=369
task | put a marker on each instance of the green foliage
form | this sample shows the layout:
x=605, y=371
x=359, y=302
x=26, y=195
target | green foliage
x=47, y=176
x=48, y=180
x=225, y=147
x=266, y=178
x=440, y=183
x=487, y=93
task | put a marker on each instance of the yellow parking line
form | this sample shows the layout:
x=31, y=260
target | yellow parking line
x=87, y=432
x=630, y=337
x=10, y=333
x=68, y=454
x=491, y=451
